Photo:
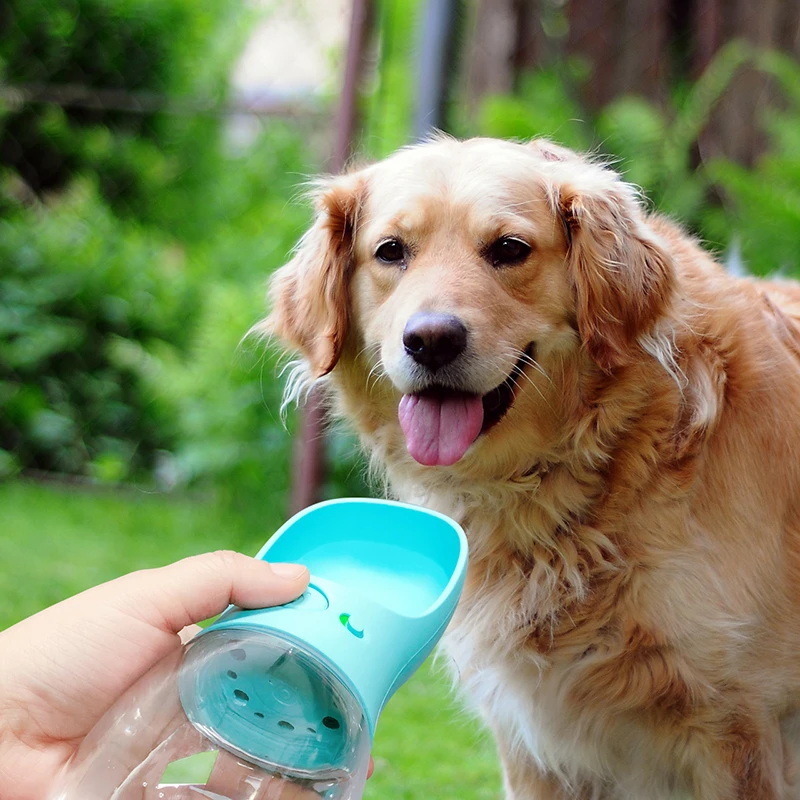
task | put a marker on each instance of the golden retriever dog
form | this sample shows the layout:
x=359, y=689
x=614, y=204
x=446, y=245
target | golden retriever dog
x=614, y=420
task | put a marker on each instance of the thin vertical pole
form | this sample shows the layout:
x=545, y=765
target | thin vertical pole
x=437, y=48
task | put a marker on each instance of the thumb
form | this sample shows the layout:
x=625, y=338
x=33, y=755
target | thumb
x=200, y=587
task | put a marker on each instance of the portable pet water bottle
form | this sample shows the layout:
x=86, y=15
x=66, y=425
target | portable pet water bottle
x=282, y=703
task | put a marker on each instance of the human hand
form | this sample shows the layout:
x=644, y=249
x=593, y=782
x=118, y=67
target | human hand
x=63, y=668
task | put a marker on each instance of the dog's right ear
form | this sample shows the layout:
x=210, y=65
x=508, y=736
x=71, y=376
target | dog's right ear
x=309, y=296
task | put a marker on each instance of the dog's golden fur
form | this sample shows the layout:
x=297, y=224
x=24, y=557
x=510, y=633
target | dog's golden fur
x=630, y=627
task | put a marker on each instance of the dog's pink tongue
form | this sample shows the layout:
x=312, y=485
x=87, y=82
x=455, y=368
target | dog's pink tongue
x=439, y=429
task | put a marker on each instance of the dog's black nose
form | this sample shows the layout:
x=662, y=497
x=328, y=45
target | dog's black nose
x=434, y=340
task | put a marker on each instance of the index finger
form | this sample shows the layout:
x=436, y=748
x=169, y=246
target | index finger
x=200, y=587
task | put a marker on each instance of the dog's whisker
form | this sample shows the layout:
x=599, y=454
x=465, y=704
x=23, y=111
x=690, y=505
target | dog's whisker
x=376, y=374
x=522, y=356
x=530, y=361
x=374, y=347
x=538, y=390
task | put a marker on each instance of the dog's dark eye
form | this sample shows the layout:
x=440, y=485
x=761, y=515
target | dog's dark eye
x=508, y=251
x=391, y=252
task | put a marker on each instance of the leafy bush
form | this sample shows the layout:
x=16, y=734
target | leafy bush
x=545, y=105
x=656, y=148
x=105, y=288
x=756, y=210
x=727, y=205
x=229, y=426
x=120, y=62
x=76, y=285
x=761, y=206
x=653, y=147
x=227, y=395
x=761, y=210
x=237, y=207
x=389, y=111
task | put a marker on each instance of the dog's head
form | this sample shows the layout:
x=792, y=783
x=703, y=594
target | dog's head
x=455, y=280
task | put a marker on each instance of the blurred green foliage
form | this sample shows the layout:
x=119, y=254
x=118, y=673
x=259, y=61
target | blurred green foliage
x=128, y=286
x=147, y=53
x=761, y=212
x=544, y=105
x=134, y=247
x=77, y=284
x=99, y=199
x=725, y=204
x=227, y=398
x=389, y=107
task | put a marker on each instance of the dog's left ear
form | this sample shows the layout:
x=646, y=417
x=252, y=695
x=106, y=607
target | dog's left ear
x=622, y=275
x=309, y=296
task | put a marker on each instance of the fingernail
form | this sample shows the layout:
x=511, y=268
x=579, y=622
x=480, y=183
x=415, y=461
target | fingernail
x=290, y=572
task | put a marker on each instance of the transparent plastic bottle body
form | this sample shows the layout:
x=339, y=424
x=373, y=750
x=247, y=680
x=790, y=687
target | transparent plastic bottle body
x=235, y=715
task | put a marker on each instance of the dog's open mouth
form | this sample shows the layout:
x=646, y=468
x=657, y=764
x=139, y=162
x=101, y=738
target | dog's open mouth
x=440, y=424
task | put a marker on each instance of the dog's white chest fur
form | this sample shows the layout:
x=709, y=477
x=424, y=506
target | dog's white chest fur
x=523, y=699
x=525, y=693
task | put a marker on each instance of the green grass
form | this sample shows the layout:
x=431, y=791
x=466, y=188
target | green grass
x=57, y=541
x=427, y=747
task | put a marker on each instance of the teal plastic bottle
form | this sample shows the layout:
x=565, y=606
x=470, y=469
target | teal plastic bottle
x=282, y=703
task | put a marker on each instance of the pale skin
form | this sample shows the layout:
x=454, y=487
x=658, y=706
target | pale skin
x=61, y=669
